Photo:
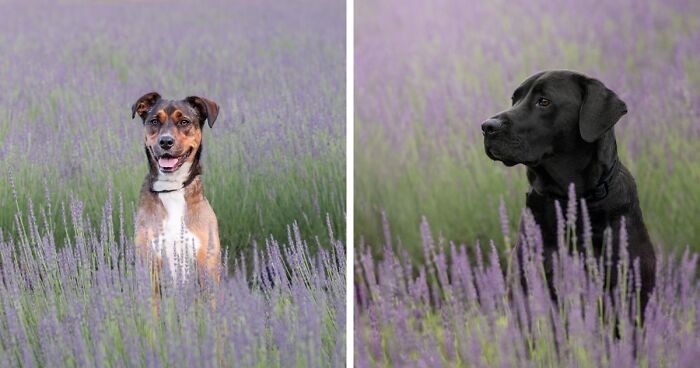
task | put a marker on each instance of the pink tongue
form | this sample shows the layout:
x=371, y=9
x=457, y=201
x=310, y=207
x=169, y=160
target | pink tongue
x=167, y=163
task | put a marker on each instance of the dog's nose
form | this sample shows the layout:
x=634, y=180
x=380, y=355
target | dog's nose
x=491, y=126
x=166, y=142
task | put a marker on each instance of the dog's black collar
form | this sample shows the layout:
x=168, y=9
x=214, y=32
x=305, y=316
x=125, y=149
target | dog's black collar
x=601, y=190
x=165, y=191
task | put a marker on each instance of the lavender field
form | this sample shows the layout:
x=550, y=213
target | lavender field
x=459, y=310
x=72, y=163
x=428, y=74
x=71, y=72
x=90, y=303
x=447, y=294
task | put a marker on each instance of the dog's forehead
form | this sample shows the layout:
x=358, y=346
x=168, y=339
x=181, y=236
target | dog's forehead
x=552, y=84
x=170, y=106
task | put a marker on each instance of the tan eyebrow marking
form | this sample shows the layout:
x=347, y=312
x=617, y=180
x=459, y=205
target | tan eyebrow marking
x=162, y=116
x=176, y=115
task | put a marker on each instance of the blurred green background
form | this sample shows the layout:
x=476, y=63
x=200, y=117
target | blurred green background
x=276, y=155
x=428, y=74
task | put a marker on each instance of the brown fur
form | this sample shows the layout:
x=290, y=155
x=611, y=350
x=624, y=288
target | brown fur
x=199, y=219
x=183, y=120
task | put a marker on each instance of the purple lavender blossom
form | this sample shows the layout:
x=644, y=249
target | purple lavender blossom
x=480, y=315
x=85, y=305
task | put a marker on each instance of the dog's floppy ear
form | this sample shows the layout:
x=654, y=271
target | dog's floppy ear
x=600, y=110
x=207, y=109
x=143, y=104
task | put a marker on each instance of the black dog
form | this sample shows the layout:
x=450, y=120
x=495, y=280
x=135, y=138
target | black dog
x=561, y=127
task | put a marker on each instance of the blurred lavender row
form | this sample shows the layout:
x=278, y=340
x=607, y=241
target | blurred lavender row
x=71, y=71
x=465, y=307
x=91, y=303
x=442, y=67
x=429, y=73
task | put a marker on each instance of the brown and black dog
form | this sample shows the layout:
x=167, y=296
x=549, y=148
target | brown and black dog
x=561, y=127
x=174, y=218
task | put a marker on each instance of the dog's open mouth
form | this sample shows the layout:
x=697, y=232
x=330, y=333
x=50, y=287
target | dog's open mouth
x=168, y=163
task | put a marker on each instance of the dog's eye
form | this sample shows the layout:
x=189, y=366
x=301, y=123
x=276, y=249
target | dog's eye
x=543, y=102
x=184, y=122
x=154, y=122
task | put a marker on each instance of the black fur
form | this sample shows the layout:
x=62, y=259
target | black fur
x=561, y=127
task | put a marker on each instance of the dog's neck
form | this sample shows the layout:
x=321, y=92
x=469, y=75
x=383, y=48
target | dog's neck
x=160, y=182
x=553, y=176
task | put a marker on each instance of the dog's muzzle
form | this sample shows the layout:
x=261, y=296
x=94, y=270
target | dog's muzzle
x=168, y=163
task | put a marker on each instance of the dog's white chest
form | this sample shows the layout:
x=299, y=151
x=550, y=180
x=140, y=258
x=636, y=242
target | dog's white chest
x=175, y=241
